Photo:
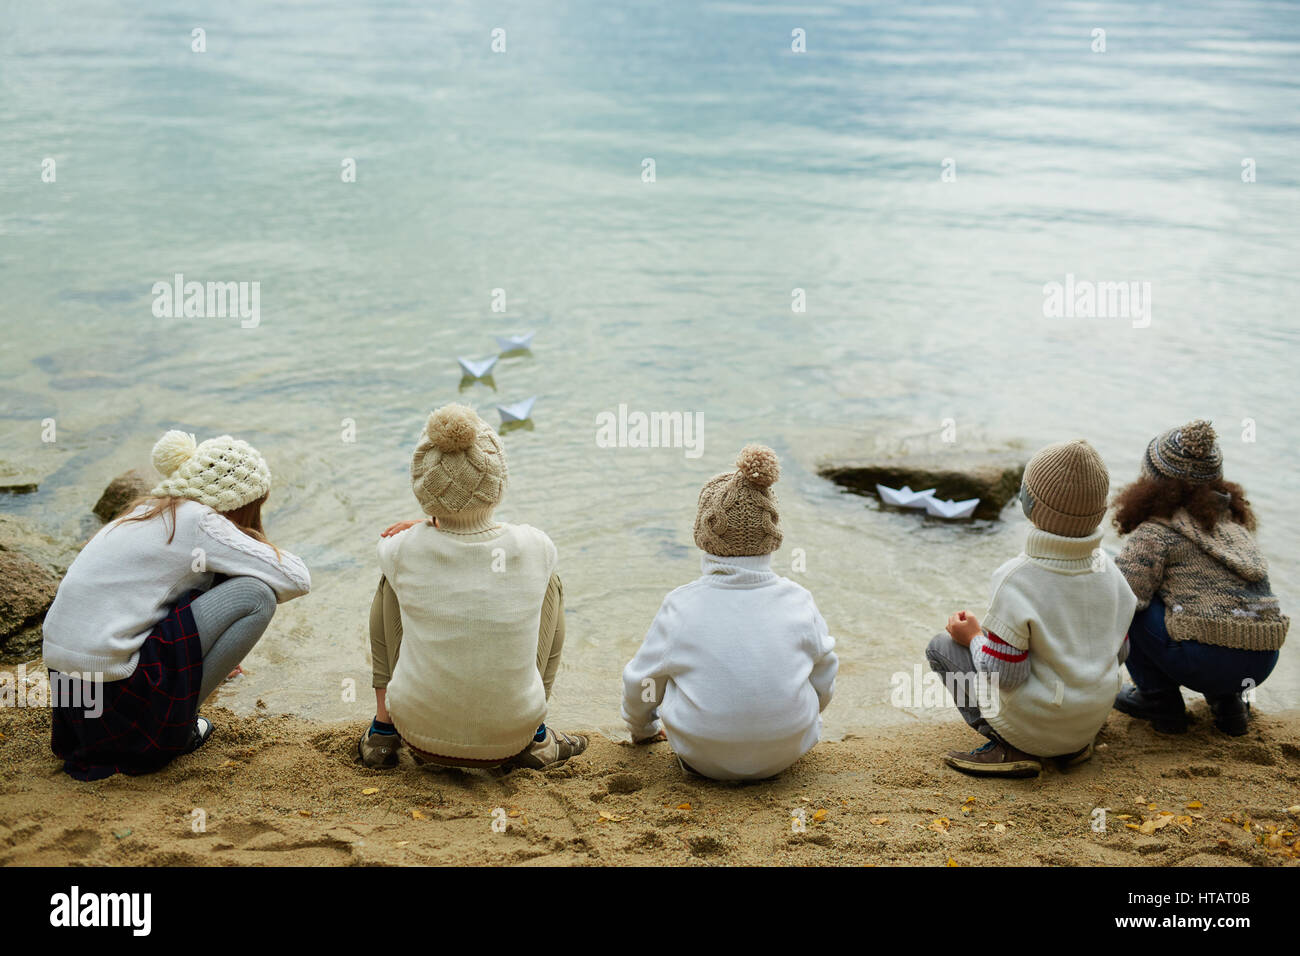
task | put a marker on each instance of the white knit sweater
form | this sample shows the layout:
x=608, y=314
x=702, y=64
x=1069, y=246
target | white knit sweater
x=466, y=683
x=739, y=665
x=1064, y=601
x=127, y=578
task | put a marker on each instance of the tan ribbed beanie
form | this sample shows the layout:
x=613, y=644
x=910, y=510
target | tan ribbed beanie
x=459, y=467
x=1064, y=489
x=737, y=514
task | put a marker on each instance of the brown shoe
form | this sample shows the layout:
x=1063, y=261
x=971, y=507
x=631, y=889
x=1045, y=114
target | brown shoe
x=554, y=749
x=995, y=759
x=378, y=751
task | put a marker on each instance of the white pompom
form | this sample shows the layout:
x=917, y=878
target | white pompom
x=173, y=450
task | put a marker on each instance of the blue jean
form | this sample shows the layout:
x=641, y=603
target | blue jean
x=1159, y=664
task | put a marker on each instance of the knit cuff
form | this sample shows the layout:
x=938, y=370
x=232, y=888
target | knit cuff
x=1006, y=631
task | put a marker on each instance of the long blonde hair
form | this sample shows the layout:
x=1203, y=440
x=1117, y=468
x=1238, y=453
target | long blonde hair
x=247, y=519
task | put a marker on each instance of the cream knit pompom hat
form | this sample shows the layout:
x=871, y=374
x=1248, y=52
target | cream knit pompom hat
x=459, y=467
x=737, y=514
x=223, y=473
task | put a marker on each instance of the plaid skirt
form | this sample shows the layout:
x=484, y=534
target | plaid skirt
x=147, y=718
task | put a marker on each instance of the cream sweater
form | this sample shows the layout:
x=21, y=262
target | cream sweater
x=1064, y=601
x=739, y=665
x=127, y=578
x=466, y=684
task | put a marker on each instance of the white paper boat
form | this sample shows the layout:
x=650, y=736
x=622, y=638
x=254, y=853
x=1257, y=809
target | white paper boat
x=904, y=497
x=950, y=508
x=477, y=369
x=517, y=411
x=515, y=343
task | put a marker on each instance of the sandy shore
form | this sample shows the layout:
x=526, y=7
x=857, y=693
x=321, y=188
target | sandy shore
x=282, y=790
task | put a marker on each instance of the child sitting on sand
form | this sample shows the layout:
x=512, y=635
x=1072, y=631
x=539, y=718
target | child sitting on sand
x=738, y=663
x=1054, y=635
x=160, y=606
x=467, y=623
x=1207, y=618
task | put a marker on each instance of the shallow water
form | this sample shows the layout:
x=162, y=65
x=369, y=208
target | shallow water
x=522, y=171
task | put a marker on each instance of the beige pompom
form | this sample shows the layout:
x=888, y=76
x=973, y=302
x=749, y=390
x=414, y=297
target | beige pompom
x=759, y=465
x=173, y=450
x=453, y=428
x=1197, y=437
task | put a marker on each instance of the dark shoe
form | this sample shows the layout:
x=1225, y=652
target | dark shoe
x=1073, y=760
x=1231, y=714
x=1165, y=710
x=995, y=759
x=202, y=732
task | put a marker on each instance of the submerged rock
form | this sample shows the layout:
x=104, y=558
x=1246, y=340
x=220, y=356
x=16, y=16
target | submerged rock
x=992, y=477
x=120, y=492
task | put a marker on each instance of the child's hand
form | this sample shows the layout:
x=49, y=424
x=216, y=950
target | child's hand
x=398, y=528
x=653, y=739
x=963, y=627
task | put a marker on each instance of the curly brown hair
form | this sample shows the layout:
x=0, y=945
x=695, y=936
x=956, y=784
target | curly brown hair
x=1208, y=502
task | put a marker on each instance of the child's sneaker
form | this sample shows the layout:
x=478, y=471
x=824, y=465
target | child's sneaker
x=995, y=759
x=554, y=748
x=1166, y=711
x=378, y=751
x=1231, y=714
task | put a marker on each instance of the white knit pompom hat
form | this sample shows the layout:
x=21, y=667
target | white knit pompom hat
x=223, y=473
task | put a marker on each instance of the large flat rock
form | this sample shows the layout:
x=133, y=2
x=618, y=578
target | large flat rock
x=991, y=476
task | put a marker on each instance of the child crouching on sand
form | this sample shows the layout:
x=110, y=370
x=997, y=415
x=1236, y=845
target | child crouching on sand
x=738, y=664
x=1055, y=633
x=160, y=606
x=1208, y=619
x=467, y=623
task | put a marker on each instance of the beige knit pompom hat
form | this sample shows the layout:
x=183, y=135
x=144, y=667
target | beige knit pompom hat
x=223, y=473
x=737, y=515
x=459, y=468
x=1064, y=489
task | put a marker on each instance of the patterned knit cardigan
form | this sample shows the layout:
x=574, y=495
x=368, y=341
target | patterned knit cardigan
x=1214, y=584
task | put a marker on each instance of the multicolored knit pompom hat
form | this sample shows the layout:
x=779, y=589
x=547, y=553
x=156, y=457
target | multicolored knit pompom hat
x=737, y=514
x=1190, y=452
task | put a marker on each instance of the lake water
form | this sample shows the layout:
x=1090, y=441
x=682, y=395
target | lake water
x=522, y=171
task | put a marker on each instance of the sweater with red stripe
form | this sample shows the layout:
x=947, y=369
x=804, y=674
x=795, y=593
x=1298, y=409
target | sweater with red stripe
x=1056, y=623
x=993, y=655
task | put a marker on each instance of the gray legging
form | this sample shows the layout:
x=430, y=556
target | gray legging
x=231, y=618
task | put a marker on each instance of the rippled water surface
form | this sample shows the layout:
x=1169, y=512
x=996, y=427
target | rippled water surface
x=522, y=171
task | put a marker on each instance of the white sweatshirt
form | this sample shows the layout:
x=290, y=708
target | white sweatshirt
x=128, y=576
x=1064, y=602
x=739, y=666
x=466, y=683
